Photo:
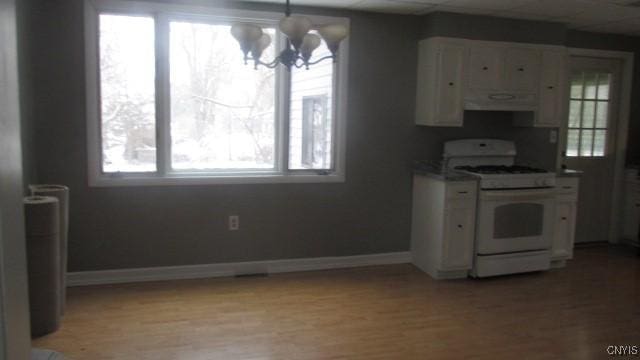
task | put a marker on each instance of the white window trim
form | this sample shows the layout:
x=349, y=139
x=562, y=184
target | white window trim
x=97, y=178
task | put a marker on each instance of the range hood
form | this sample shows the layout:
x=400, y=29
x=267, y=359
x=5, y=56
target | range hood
x=490, y=100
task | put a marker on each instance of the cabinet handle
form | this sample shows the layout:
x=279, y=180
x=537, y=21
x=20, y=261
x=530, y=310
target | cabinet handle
x=459, y=226
x=520, y=69
x=550, y=87
x=485, y=68
x=463, y=192
x=564, y=218
x=450, y=84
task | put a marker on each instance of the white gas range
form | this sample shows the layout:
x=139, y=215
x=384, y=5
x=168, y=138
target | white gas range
x=514, y=219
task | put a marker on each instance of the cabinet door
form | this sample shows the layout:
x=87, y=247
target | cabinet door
x=564, y=233
x=522, y=69
x=448, y=101
x=486, y=65
x=553, y=99
x=457, y=252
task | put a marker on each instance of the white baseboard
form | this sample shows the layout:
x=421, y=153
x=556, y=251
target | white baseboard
x=83, y=278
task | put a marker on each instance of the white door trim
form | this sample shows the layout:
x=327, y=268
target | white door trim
x=626, y=81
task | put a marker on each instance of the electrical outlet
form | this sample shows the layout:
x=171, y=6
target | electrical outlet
x=234, y=222
x=553, y=136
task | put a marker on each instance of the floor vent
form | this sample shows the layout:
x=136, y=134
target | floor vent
x=251, y=275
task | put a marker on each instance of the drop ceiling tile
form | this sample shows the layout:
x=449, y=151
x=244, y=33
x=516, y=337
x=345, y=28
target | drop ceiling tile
x=619, y=27
x=492, y=5
x=461, y=10
x=553, y=8
x=315, y=3
x=601, y=13
x=518, y=15
x=395, y=7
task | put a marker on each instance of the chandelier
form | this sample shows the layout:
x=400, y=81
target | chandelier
x=300, y=43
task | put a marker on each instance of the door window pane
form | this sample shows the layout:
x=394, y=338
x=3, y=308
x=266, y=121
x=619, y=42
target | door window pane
x=603, y=86
x=599, y=142
x=127, y=93
x=586, y=140
x=590, y=85
x=575, y=113
x=601, y=114
x=588, y=111
x=311, y=121
x=572, y=142
x=588, y=114
x=222, y=111
x=576, y=86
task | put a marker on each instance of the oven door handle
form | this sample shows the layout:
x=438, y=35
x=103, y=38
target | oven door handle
x=517, y=195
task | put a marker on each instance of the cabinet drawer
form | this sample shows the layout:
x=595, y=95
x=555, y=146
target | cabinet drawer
x=462, y=190
x=567, y=185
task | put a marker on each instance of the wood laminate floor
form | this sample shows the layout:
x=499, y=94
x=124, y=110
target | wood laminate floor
x=381, y=312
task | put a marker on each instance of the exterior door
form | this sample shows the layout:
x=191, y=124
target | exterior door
x=590, y=141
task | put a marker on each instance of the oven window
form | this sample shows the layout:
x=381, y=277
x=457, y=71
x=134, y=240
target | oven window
x=518, y=220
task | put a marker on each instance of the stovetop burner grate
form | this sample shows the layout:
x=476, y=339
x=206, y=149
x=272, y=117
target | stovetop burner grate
x=501, y=169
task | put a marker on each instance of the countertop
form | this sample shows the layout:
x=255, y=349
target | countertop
x=434, y=170
x=568, y=173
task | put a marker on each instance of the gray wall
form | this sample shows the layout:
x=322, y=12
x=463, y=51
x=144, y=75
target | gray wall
x=370, y=213
x=25, y=28
x=154, y=226
x=15, y=341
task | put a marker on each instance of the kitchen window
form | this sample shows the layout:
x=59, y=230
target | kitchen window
x=170, y=101
x=588, y=114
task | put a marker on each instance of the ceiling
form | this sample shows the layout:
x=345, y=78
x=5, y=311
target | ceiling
x=608, y=16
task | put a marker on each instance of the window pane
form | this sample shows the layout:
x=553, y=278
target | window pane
x=222, y=111
x=585, y=142
x=599, y=142
x=601, y=114
x=572, y=142
x=575, y=109
x=590, y=84
x=310, y=132
x=603, y=86
x=588, y=114
x=576, y=86
x=127, y=93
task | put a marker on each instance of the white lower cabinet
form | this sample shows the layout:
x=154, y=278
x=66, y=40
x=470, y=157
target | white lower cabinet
x=565, y=220
x=443, y=226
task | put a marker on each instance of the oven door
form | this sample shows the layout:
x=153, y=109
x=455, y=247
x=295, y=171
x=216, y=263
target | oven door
x=514, y=220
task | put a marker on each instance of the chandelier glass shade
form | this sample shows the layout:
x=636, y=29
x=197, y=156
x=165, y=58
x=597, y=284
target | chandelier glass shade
x=300, y=42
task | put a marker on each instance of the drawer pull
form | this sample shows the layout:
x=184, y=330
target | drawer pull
x=463, y=192
x=567, y=187
x=459, y=226
x=564, y=218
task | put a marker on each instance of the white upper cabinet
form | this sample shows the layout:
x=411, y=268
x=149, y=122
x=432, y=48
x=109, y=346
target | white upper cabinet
x=458, y=74
x=522, y=69
x=441, y=69
x=553, y=96
x=486, y=66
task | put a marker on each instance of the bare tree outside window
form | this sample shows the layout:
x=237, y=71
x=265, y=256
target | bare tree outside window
x=127, y=71
x=222, y=112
